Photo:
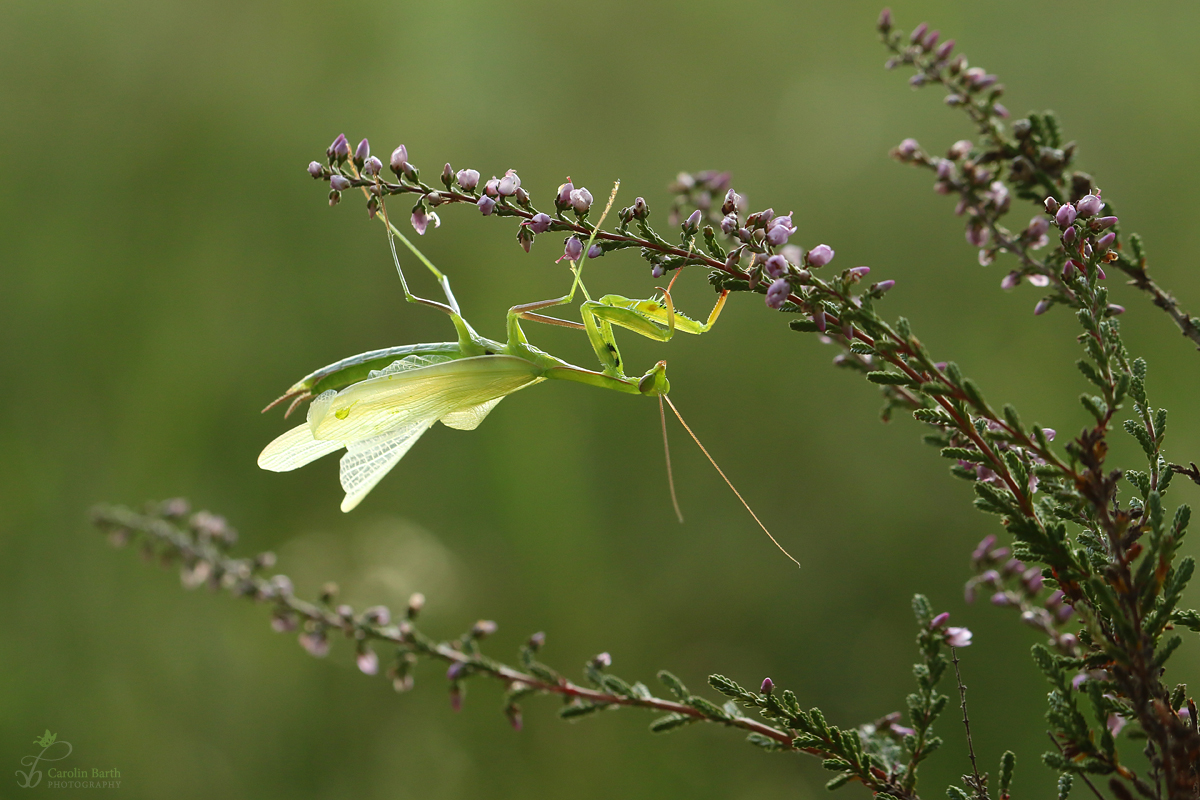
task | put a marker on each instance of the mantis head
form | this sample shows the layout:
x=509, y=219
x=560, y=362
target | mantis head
x=655, y=381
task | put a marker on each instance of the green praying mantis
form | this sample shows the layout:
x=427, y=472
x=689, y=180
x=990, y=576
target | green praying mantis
x=377, y=404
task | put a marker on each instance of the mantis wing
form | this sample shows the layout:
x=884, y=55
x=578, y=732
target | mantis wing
x=294, y=449
x=398, y=400
x=469, y=418
x=367, y=461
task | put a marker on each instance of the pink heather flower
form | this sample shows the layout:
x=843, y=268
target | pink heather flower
x=958, y=637
x=399, y=160
x=509, y=184
x=315, y=643
x=820, y=255
x=1039, y=280
x=959, y=149
x=983, y=548
x=581, y=200
x=1041, y=308
x=780, y=229
x=1089, y=206
x=486, y=205
x=468, y=179
x=1115, y=723
x=339, y=183
x=368, y=662
x=1065, y=217
x=778, y=293
x=940, y=620
x=767, y=686
x=1011, y=280
x=421, y=219
x=977, y=233
x=908, y=148
x=572, y=250
x=314, y=169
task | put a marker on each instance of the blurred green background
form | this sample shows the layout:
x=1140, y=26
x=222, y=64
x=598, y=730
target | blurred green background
x=168, y=268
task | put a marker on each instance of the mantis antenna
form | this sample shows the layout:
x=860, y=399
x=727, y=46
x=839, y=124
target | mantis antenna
x=727, y=481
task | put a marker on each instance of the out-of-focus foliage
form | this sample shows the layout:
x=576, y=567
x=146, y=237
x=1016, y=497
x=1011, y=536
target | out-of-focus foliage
x=168, y=268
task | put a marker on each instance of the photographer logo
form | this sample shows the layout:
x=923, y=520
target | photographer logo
x=54, y=749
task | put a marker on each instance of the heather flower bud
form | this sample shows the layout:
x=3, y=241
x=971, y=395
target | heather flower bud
x=918, y=32
x=455, y=671
x=468, y=179
x=1101, y=223
x=539, y=223
x=977, y=233
x=372, y=166
x=1011, y=280
x=781, y=228
x=857, y=273
x=399, y=160
x=421, y=219
x=509, y=184
x=315, y=169
x=1037, y=227
x=1114, y=309
x=595, y=251
x=315, y=643
x=1000, y=111
x=537, y=641
x=1069, y=234
x=602, y=661
x=943, y=52
x=1105, y=241
x=917, y=80
x=486, y=205
x=657, y=271
x=339, y=183
x=377, y=615
x=729, y=224
x=1089, y=206
x=767, y=687
x=959, y=149
x=1039, y=280
x=448, y=176
x=958, y=637
x=819, y=256
x=693, y=222
x=563, y=199
x=931, y=40
x=640, y=209
x=730, y=204
x=883, y=286
x=340, y=149
x=581, y=200
x=484, y=627
x=776, y=266
x=416, y=602
x=362, y=153
x=367, y=661
x=1001, y=599
x=945, y=169
x=1042, y=307
x=940, y=620
x=492, y=187
x=885, y=20
x=908, y=148
x=1051, y=205
x=818, y=319
x=777, y=293
x=572, y=249
x=1065, y=216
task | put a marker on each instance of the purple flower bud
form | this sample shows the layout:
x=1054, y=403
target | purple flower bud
x=1032, y=580
x=693, y=221
x=492, y=187
x=537, y=641
x=953, y=100
x=1000, y=111
x=930, y=41
x=729, y=224
x=340, y=149
x=399, y=160
x=563, y=198
x=372, y=166
x=1105, y=241
x=362, y=152
x=885, y=20
x=777, y=293
x=884, y=286
x=484, y=627
x=339, y=183
x=377, y=615
x=959, y=149
x=1001, y=599
x=958, y=637
x=945, y=169
x=1115, y=723
x=456, y=699
x=468, y=179
x=1089, y=206
x=455, y=671
x=1011, y=280
x=818, y=319
x=657, y=271
x=641, y=209
x=486, y=205
x=767, y=687
x=1064, y=613
x=283, y=623
x=1037, y=227
x=977, y=233
x=982, y=82
x=1065, y=216
x=1114, y=309
x=572, y=249
x=730, y=204
x=918, y=32
x=940, y=620
x=595, y=251
x=781, y=228
x=943, y=52
x=917, y=80
x=1051, y=205
x=819, y=256
x=1041, y=308
x=1101, y=223
x=984, y=547
x=367, y=662
x=314, y=169
x=581, y=200
x=908, y=148
x=1069, y=268
x=776, y=266
x=1069, y=234
x=540, y=223
x=1039, y=280
x=421, y=219
x=602, y=661
x=857, y=273
x=1049, y=433
x=991, y=577
x=315, y=643
x=509, y=184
